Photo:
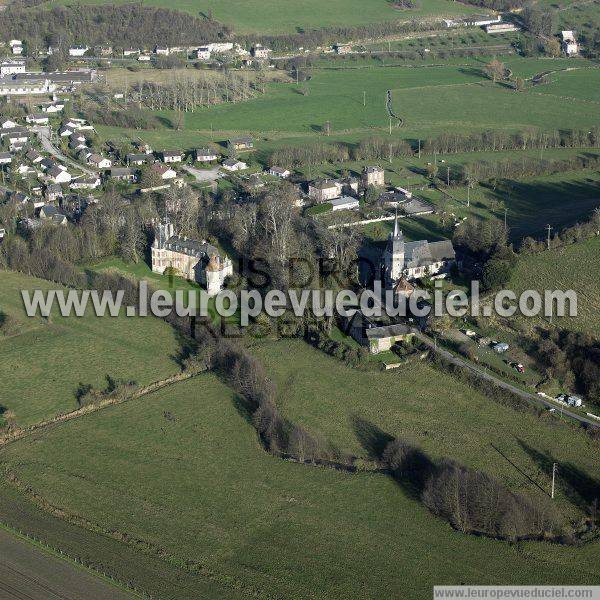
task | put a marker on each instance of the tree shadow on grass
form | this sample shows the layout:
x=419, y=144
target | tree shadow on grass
x=371, y=438
x=581, y=489
x=405, y=463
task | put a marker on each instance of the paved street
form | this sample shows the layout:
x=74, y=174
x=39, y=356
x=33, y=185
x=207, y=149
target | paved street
x=48, y=146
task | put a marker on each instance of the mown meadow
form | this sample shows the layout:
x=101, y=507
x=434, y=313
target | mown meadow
x=45, y=360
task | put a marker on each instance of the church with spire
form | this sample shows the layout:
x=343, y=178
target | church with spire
x=404, y=261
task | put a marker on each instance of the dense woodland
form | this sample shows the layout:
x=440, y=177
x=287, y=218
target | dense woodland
x=121, y=25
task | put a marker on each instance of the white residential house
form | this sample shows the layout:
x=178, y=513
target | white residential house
x=232, y=164
x=344, y=203
x=140, y=159
x=65, y=131
x=5, y=158
x=130, y=51
x=17, y=136
x=58, y=175
x=164, y=171
x=569, y=43
x=34, y=156
x=171, y=156
x=100, y=162
x=279, y=172
x=17, y=49
x=54, y=107
x=123, y=174
x=203, y=53
x=162, y=51
x=205, y=155
x=25, y=170
x=85, y=183
x=7, y=124
x=144, y=58
x=11, y=67
x=37, y=119
x=78, y=50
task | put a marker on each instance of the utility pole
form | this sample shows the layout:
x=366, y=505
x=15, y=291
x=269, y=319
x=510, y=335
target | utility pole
x=364, y=98
x=448, y=176
x=554, y=469
x=468, y=195
x=419, y=148
x=549, y=229
x=390, y=125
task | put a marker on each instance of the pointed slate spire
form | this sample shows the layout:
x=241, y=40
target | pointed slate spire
x=397, y=232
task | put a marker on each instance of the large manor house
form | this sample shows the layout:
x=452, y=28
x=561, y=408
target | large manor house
x=196, y=261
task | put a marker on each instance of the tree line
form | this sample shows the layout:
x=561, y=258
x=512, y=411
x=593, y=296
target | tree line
x=472, y=501
x=519, y=168
x=526, y=139
x=382, y=148
x=185, y=93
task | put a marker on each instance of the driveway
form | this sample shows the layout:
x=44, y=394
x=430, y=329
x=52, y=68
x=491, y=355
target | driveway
x=202, y=175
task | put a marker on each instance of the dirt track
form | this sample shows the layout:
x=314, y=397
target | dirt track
x=28, y=573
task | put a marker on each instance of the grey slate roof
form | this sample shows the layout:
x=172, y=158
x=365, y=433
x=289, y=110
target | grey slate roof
x=190, y=247
x=423, y=253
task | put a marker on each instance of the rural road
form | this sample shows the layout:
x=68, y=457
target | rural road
x=44, y=135
x=532, y=398
x=29, y=573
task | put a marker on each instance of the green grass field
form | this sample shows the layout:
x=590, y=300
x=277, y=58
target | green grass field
x=42, y=366
x=285, y=16
x=575, y=267
x=580, y=85
x=430, y=99
x=442, y=415
x=197, y=487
